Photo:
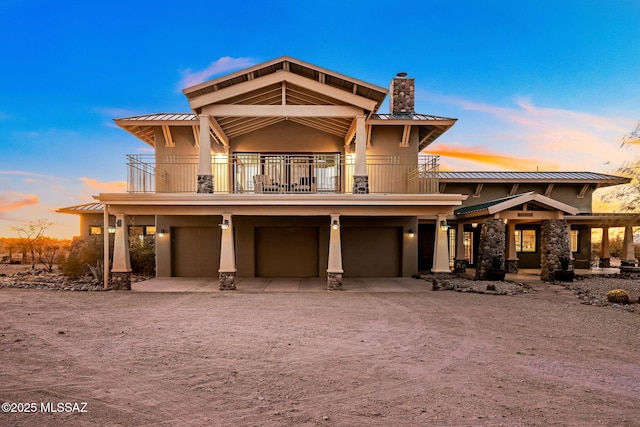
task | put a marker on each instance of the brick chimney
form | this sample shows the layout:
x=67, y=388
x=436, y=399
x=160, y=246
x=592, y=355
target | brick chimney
x=402, y=92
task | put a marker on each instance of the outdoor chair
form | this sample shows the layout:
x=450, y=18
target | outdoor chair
x=307, y=184
x=263, y=184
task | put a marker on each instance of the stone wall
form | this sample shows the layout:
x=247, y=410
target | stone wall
x=334, y=281
x=360, y=184
x=402, y=93
x=205, y=184
x=491, y=247
x=227, y=281
x=554, y=244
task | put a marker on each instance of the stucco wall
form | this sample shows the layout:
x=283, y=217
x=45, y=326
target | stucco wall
x=287, y=137
x=385, y=140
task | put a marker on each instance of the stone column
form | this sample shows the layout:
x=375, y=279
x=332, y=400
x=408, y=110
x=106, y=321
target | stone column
x=512, y=254
x=491, y=247
x=605, y=252
x=227, y=268
x=334, y=267
x=205, y=177
x=554, y=245
x=628, y=257
x=360, y=177
x=441, y=248
x=121, y=269
x=460, y=263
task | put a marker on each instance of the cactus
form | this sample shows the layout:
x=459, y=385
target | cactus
x=618, y=296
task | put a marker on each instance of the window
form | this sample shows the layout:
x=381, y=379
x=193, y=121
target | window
x=95, y=231
x=525, y=240
x=574, y=240
x=468, y=246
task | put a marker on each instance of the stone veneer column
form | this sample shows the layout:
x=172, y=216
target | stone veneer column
x=605, y=252
x=554, y=244
x=512, y=255
x=334, y=267
x=491, y=247
x=205, y=177
x=121, y=268
x=227, y=268
x=360, y=177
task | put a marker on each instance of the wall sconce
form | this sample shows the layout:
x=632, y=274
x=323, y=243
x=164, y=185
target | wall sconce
x=411, y=233
x=225, y=224
x=161, y=233
x=335, y=225
x=443, y=225
x=474, y=224
x=112, y=229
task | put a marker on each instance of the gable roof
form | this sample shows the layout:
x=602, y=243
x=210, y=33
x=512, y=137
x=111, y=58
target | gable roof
x=505, y=203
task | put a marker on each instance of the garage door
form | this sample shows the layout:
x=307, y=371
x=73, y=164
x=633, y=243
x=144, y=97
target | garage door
x=371, y=252
x=286, y=251
x=195, y=251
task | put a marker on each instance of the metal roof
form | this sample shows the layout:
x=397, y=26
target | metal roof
x=161, y=117
x=486, y=205
x=552, y=177
x=85, y=208
x=408, y=116
x=498, y=205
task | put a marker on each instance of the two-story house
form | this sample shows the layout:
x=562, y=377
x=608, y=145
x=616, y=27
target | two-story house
x=287, y=169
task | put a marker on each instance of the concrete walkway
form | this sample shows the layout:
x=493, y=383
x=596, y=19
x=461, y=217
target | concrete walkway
x=261, y=284
x=318, y=284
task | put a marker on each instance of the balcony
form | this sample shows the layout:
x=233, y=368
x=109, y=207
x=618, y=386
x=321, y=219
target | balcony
x=253, y=173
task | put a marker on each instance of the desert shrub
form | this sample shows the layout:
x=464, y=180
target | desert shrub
x=143, y=259
x=84, y=254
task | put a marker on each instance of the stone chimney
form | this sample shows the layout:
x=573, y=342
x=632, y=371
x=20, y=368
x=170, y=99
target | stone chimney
x=402, y=92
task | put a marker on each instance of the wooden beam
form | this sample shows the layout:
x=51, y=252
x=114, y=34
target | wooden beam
x=215, y=126
x=478, y=189
x=196, y=135
x=435, y=128
x=284, y=93
x=369, y=136
x=350, y=133
x=234, y=110
x=583, y=191
x=514, y=189
x=548, y=191
x=405, y=136
x=168, y=140
x=443, y=186
x=270, y=79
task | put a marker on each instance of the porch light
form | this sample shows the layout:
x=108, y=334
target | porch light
x=411, y=233
x=161, y=233
x=474, y=224
x=225, y=224
x=112, y=229
x=335, y=225
x=443, y=225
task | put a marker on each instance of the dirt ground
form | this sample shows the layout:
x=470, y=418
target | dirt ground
x=325, y=358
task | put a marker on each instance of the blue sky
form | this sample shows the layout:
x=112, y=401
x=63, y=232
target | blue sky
x=539, y=84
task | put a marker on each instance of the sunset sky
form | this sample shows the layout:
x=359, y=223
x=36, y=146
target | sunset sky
x=535, y=85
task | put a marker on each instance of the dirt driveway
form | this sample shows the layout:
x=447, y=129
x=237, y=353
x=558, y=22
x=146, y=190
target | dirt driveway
x=307, y=359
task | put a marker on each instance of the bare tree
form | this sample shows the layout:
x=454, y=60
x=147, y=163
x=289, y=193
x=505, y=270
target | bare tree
x=628, y=195
x=30, y=233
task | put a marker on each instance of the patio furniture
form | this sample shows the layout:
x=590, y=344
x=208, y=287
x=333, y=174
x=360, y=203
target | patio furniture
x=264, y=184
x=307, y=184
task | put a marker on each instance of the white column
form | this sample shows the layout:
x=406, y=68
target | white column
x=335, y=246
x=604, y=247
x=121, y=260
x=204, y=155
x=628, y=248
x=227, y=247
x=441, y=249
x=106, y=238
x=512, y=255
x=360, y=168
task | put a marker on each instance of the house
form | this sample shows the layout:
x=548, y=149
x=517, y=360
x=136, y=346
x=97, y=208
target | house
x=287, y=169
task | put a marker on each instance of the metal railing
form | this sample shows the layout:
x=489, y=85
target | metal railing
x=282, y=173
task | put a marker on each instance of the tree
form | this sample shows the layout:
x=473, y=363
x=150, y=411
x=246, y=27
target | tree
x=30, y=233
x=628, y=195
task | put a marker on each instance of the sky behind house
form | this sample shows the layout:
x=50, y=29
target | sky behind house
x=535, y=85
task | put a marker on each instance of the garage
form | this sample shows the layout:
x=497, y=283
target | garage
x=195, y=251
x=286, y=251
x=371, y=252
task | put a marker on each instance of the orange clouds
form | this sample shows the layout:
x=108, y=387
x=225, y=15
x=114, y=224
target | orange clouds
x=12, y=201
x=481, y=155
x=104, y=187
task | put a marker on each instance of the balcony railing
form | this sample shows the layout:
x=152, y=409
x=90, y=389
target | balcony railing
x=282, y=173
